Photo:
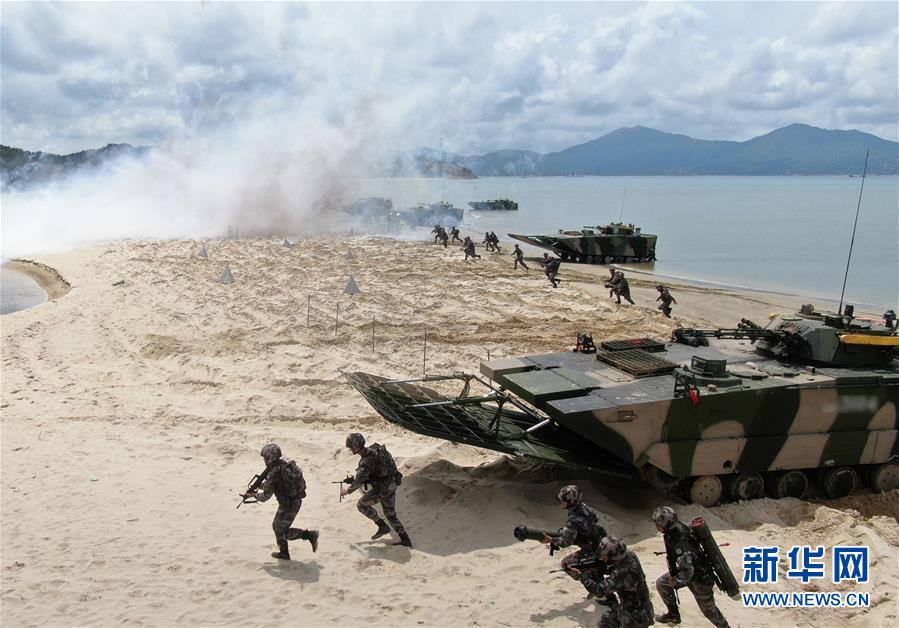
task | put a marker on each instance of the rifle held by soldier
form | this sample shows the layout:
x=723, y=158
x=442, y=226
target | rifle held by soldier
x=252, y=487
x=347, y=480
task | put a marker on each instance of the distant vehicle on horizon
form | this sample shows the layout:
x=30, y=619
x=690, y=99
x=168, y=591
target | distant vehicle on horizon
x=429, y=214
x=498, y=204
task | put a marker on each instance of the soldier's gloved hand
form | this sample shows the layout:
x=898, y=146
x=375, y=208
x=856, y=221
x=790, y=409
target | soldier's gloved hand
x=575, y=573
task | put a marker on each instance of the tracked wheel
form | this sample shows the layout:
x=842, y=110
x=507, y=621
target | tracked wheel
x=792, y=483
x=884, y=477
x=706, y=490
x=839, y=482
x=746, y=486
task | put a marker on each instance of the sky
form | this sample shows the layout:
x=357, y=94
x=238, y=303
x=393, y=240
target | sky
x=467, y=77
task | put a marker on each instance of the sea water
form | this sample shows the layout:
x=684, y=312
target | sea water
x=784, y=234
x=18, y=291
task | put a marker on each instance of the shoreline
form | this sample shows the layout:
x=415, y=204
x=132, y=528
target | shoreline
x=47, y=277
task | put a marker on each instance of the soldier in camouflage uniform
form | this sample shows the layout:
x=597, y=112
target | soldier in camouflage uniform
x=495, y=240
x=443, y=237
x=551, y=268
x=468, y=247
x=519, y=257
x=436, y=232
x=619, y=287
x=455, y=233
x=285, y=481
x=666, y=300
x=372, y=471
x=687, y=567
x=582, y=528
x=488, y=241
x=625, y=579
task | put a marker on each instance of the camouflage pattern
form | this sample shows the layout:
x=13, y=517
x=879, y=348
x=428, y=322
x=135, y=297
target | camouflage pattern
x=454, y=232
x=498, y=204
x=469, y=249
x=519, y=257
x=625, y=578
x=288, y=506
x=582, y=528
x=813, y=402
x=601, y=244
x=666, y=300
x=383, y=490
x=704, y=594
x=620, y=287
x=423, y=215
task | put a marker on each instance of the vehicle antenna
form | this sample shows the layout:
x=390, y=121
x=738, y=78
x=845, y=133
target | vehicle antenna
x=852, y=241
x=621, y=209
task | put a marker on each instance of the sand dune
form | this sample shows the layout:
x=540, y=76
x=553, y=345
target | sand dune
x=132, y=413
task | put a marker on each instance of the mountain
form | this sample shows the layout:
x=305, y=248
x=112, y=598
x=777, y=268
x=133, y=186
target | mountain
x=21, y=169
x=794, y=149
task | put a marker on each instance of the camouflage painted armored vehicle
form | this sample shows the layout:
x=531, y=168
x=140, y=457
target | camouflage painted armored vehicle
x=426, y=215
x=499, y=204
x=616, y=242
x=808, y=403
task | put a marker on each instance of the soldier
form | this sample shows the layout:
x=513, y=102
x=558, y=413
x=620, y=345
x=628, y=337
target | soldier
x=582, y=529
x=687, y=567
x=488, y=241
x=620, y=287
x=551, y=267
x=436, y=232
x=889, y=319
x=468, y=247
x=455, y=233
x=377, y=469
x=285, y=481
x=625, y=579
x=666, y=300
x=443, y=237
x=495, y=242
x=519, y=257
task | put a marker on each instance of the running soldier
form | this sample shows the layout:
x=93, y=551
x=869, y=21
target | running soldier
x=495, y=241
x=519, y=257
x=666, y=300
x=625, y=579
x=687, y=567
x=551, y=267
x=443, y=237
x=436, y=231
x=582, y=529
x=377, y=468
x=454, y=231
x=284, y=480
x=620, y=287
x=468, y=247
x=488, y=241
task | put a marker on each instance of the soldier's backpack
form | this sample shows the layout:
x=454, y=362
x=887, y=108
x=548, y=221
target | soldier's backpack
x=387, y=464
x=294, y=482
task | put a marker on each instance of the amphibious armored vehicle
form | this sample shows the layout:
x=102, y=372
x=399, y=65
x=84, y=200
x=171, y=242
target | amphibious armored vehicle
x=426, y=215
x=499, y=204
x=806, y=404
x=615, y=242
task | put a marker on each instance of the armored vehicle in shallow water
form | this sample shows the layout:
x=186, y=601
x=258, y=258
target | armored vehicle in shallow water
x=616, y=242
x=426, y=215
x=499, y=204
x=808, y=403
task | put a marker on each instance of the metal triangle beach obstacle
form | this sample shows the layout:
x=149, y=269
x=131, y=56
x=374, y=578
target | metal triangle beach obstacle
x=349, y=255
x=226, y=277
x=287, y=243
x=351, y=287
x=202, y=252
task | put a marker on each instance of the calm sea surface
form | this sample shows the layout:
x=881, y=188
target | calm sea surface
x=18, y=291
x=786, y=234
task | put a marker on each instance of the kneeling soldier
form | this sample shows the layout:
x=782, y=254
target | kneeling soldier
x=625, y=579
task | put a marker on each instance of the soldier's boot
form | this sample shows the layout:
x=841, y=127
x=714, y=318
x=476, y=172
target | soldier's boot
x=383, y=529
x=312, y=537
x=282, y=554
x=404, y=540
x=672, y=617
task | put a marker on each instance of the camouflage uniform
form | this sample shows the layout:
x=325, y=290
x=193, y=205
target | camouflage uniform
x=455, y=233
x=469, y=249
x=689, y=568
x=581, y=529
x=288, y=507
x=519, y=257
x=488, y=241
x=443, y=237
x=551, y=267
x=620, y=287
x=436, y=231
x=624, y=578
x=383, y=491
x=495, y=241
x=666, y=300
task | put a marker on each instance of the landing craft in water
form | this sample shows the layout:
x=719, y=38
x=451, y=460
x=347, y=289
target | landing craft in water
x=616, y=242
x=806, y=405
x=501, y=204
x=426, y=215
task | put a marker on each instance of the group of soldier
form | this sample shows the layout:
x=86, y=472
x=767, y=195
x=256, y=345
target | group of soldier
x=283, y=478
x=618, y=581
x=617, y=284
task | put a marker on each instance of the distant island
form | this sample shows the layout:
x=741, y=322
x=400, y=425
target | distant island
x=797, y=149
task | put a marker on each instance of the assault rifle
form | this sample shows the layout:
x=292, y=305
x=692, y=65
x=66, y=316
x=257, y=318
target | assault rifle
x=523, y=533
x=249, y=496
x=590, y=561
x=347, y=480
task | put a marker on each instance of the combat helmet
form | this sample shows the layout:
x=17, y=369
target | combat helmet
x=570, y=495
x=664, y=517
x=612, y=549
x=355, y=441
x=270, y=452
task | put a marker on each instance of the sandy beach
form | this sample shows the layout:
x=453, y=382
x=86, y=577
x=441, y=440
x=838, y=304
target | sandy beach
x=135, y=402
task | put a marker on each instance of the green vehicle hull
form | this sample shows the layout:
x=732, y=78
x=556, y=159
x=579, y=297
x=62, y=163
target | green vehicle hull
x=597, y=245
